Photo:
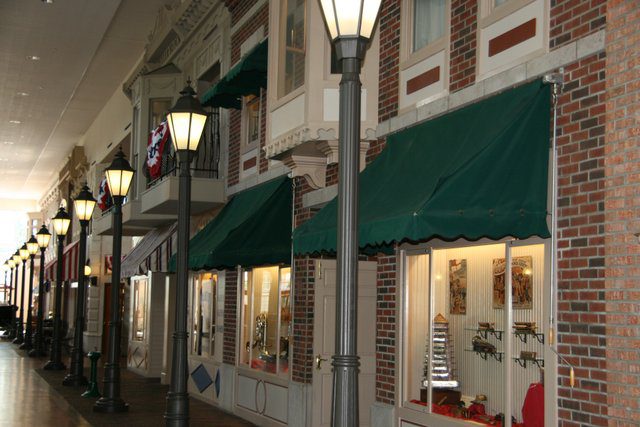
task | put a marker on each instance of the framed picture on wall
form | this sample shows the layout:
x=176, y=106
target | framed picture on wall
x=458, y=286
x=521, y=280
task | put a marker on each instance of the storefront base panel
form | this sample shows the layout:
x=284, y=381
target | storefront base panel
x=205, y=382
x=382, y=415
x=411, y=418
x=300, y=403
x=261, y=399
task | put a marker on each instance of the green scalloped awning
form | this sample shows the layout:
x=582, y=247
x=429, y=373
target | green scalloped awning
x=254, y=228
x=478, y=172
x=245, y=78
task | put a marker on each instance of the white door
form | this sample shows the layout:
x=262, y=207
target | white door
x=324, y=339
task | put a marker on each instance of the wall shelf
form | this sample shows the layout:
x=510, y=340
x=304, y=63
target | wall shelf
x=484, y=333
x=523, y=334
x=523, y=362
x=497, y=355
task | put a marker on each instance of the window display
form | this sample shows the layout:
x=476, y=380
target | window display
x=460, y=344
x=266, y=318
x=139, y=307
x=293, y=46
x=203, y=320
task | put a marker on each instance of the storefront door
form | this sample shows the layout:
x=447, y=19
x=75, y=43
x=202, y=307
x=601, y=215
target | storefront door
x=324, y=339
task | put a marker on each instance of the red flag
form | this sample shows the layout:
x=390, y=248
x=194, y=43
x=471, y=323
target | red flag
x=104, y=195
x=155, y=147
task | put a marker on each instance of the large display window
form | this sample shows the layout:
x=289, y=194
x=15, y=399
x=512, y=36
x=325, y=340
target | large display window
x=266, y=319
x=140, y=287
x=203, y=314
x=466, y=352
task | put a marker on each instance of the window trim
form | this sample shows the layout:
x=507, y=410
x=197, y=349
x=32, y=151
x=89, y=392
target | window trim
x=241, y=338
x=417, y=413
x=282, y=38
x=245, y=145
x=490, y=14
x=408, y=58
x=196, y=279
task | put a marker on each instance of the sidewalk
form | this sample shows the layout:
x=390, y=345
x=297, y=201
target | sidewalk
x=146, y=399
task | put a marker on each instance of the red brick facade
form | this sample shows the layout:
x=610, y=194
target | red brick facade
x=622, y=213
x=386, y=330
x=571, y=20
x=464, y=21
x=581, y=306
x=230, y=347
x=389, y=24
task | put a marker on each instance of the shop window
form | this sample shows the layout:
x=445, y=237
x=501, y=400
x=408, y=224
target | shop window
x=455, y=337
x=251, y=122
x=292, y=51
x=266, y=319
x=203, y=320
x=139, y=307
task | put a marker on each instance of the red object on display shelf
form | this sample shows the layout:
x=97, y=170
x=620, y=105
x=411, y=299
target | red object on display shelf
x=533, y=407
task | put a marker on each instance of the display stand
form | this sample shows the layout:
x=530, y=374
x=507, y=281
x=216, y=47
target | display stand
x=442, y=375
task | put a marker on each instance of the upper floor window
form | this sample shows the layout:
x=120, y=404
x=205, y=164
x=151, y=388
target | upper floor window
x=251, y=122
x=497, y=3
x=292, y=48
x=428, y=22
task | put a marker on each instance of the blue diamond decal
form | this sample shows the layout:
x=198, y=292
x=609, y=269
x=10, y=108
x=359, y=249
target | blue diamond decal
x=201, y=378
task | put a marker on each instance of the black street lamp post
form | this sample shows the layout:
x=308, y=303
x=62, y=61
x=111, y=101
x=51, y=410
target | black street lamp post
x=32, y=250
x=119, y=177
x=60, y=224
x=186, y=123
x=84, y=204
x=20, y=335
x=350, y=26
x=43, y=236
x=13, y=329
x=18, y=305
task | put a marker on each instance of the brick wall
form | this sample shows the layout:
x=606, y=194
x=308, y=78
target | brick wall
x=573, y=19
x=303, y=292
x=581, y=307
x=229, y=346
x=386, y=330
x=462, y=60
x=622, y=210
x=389, y=59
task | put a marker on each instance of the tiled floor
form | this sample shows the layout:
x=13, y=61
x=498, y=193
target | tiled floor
x=30, y=396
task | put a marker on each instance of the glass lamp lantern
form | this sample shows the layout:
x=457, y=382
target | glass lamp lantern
x=84, y=204
x=16, y=258
x=11, y=263
x=119, y=175
x=24, y=252
x=43, y=236
x=186, y=121
x=61, y=222
x=350, y=18
x=32, y=245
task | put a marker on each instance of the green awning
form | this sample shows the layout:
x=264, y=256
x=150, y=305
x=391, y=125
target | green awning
x=245, y=78
x=478, y=172
x=254, y=228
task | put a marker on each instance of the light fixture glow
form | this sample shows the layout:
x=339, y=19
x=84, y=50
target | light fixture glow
x=33, y=57
x=22, y=94
x=43, y=236
x=186, y=121
x=61, y=222
x=15, y=122
x=84, y=203
x=24, y=252
x=119, y=175
x=350, y=18
x=32, y=245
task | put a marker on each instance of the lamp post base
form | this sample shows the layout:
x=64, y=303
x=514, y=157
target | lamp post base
x=106, y=405
x=26, y=345
x=18, y=340
x=177, y=409
x=73, y=380
x=54, y=366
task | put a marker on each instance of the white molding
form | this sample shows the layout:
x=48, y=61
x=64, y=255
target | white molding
x=529, y=70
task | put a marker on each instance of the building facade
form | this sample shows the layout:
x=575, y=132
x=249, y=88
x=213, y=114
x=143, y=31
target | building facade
x=462, y=105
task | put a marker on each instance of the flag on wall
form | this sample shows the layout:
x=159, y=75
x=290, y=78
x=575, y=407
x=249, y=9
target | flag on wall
x=104, y=195
x=155, y=147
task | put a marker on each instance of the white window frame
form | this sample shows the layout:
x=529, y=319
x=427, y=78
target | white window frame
x=196, y=307
x=407, y=56
x=243, y=340
x=411, y=412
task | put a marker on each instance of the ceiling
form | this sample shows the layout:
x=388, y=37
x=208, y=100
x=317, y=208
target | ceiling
x=85, y=50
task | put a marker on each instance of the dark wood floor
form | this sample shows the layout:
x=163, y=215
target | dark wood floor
x=33, y=397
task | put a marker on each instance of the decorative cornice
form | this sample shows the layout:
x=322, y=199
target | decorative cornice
x=311, y=167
